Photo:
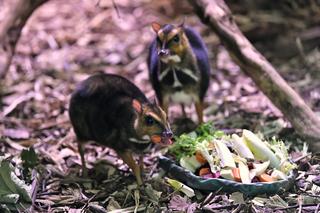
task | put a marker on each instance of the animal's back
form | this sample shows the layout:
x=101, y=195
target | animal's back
x=100, y=109
x=201, y=53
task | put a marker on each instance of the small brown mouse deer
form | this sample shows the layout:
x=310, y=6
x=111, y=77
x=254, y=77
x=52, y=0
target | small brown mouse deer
x=113, y=112
x=179, y=67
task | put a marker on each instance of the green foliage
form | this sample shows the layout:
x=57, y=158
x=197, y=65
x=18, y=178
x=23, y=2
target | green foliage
x=281, y=151
x=14, y=193
x=29, y=158
x=186, y=144
x=29, y=162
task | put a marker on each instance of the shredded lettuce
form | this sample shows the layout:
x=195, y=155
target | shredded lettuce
x=186, y=144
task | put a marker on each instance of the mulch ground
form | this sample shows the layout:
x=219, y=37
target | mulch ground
x=66, y=41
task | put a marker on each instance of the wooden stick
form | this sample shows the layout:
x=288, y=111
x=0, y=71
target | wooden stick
x=11, y=27
x=216, y=15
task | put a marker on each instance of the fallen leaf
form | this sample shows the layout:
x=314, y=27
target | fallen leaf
x=183, y=204
x=17, y=133
x=13, y=190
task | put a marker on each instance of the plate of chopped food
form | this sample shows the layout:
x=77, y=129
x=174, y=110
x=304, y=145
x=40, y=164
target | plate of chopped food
x=210, y=160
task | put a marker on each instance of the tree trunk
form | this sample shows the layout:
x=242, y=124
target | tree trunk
x=11, y=27
x=216, y=15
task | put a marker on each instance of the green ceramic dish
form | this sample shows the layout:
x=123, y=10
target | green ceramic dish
x=223, y=185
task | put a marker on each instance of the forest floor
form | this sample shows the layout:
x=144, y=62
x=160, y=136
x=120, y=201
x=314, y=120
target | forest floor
x=66, y=41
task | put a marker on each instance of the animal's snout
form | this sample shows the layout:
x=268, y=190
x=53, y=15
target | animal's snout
x=167, y=134
x=163, y=52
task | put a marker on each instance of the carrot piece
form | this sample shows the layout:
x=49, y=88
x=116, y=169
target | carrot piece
x=236, y=174
x=204, y=171
x=200, y=158
x=156, y=138
x=265, y=178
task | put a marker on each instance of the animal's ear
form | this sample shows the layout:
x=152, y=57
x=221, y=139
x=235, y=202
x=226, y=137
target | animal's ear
x=137, y=106
x=181, y=25
x=156, y=26
x=155, y=102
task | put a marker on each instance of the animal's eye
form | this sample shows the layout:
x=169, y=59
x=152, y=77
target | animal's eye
x=176, y=38
x=149, y=120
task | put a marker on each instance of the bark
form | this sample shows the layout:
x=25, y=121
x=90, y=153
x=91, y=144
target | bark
x=11, y=27
x=216, y=15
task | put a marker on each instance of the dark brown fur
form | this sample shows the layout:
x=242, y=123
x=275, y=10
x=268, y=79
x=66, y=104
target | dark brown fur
x=101, y=109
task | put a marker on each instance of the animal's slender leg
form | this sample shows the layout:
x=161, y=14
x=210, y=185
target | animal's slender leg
x=199, y=109
x=184, y=114
x=165, y=106
x=81, y=152
x=128, y=159
x=141, y=164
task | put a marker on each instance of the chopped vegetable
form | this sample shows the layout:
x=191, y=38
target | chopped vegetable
x=286, y=166
x=186, y=144
x=181, y=187
x=200, y=158
x=228, y=174
x=236, y=174
x=204, y=171
x=244, y=172
x=278, y=175
x=260, y=150
x=211, y=175
x=281, y=152
x=241, y=148
x=224, y=154
x=190, y=163
x=260, y=168
x=265, y=178
x=208, y=176
x=203, y=149
x=254, y=158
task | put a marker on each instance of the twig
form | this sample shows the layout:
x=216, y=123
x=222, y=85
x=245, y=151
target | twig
x=297, y=206
x=310, y=195
x=207, y=199
x=239, y=208
x=317, y=209
x=53, y=124
x=169, y=195
x=89, y=200
x=35, y=186
x=301, y=51
x=312, y=173
x=136, y=200
x=129, y=209
x=211, y=209
x=126, y=198
x=153, y=168
x=300, y=203
x=116, y=8
x=210, y=197
x=16, y=102
x=301, y=157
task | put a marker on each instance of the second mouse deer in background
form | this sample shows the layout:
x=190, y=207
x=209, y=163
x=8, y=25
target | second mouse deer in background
x=179, y=67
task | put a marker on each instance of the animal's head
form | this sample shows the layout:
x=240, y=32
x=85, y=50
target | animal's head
x=171, y=42
x=152, y=123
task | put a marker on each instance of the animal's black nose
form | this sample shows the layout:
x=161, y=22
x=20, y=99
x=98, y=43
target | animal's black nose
x=163, y=52
x=167, y=134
